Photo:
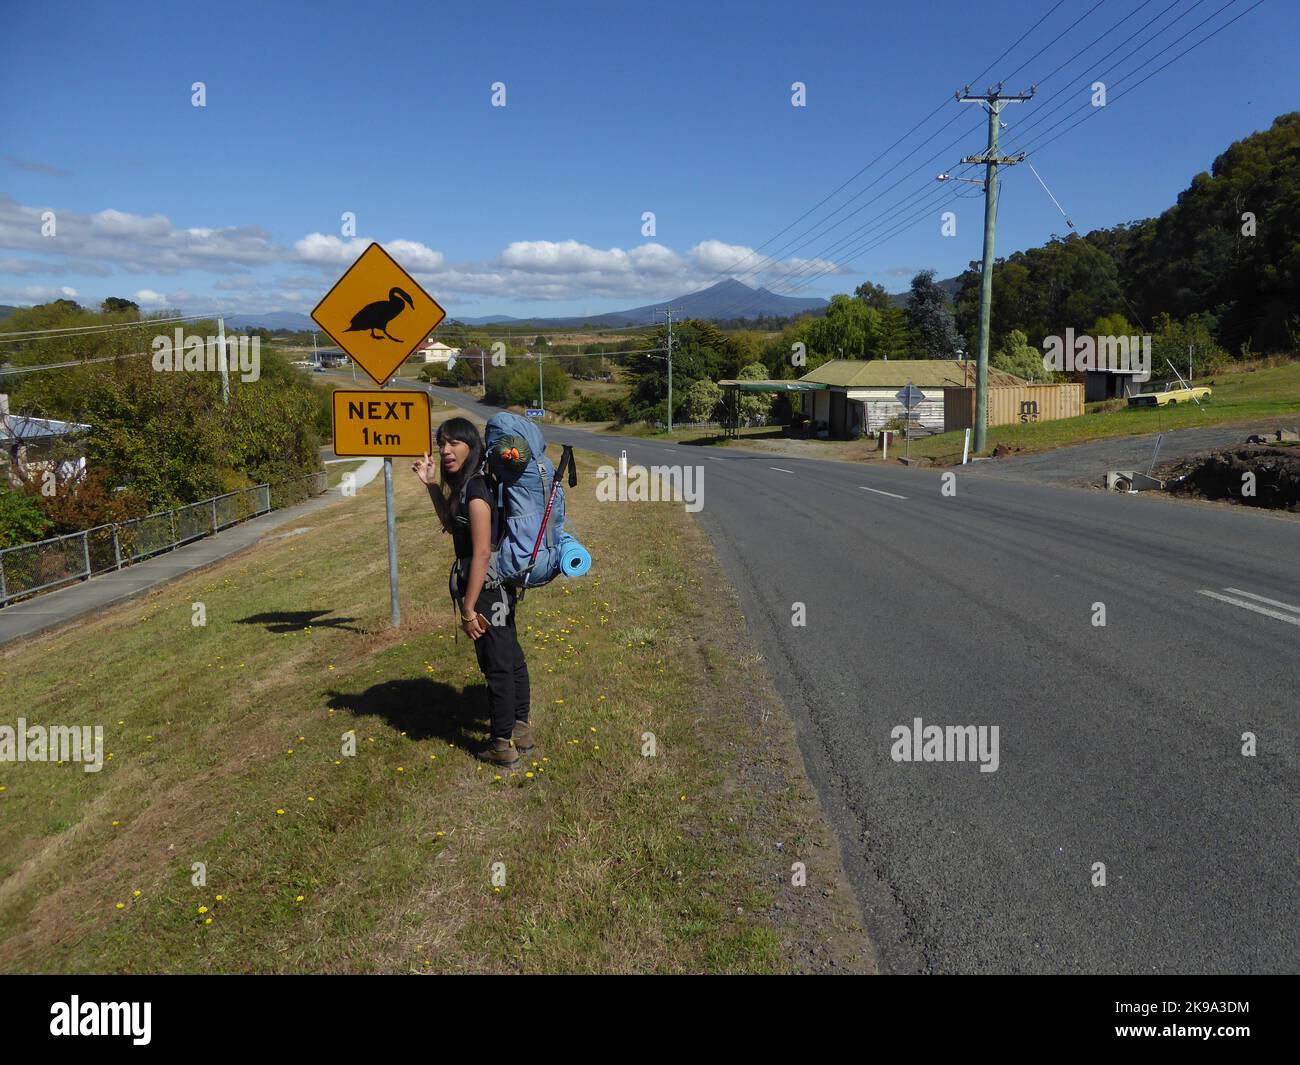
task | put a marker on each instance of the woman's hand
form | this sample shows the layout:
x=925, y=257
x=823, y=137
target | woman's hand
x=427, y=469
x=474, y=628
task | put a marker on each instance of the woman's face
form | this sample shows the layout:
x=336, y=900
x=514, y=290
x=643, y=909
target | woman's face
x=453, y=453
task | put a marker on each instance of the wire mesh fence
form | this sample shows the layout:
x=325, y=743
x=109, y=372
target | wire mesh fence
x=30, y=569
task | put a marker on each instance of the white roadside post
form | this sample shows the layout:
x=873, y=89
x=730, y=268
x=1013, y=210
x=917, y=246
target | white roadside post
x=965, y=449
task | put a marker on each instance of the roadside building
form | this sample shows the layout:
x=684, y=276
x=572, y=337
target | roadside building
x=436, y=352
x=861, y=397
x=1109, y=384
x=29, y=446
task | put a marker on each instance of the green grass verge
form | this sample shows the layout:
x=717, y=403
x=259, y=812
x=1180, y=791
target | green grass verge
x=225, y=747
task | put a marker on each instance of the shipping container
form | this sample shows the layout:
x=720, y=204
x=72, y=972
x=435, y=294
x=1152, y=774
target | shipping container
x=1009, y=405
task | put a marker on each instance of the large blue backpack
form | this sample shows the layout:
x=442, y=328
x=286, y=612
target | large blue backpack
x=523, y=479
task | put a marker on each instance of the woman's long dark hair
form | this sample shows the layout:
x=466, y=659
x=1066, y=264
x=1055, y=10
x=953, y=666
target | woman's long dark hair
x=461, y=429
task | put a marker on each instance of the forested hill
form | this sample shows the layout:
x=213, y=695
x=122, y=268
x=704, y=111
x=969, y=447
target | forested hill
x=1227, y=251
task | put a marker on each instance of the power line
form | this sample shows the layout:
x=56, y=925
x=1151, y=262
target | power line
x=70, y=332
x=771, y=258
x=1153, y=73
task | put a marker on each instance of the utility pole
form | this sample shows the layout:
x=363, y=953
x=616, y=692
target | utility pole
x=225, y=369
x=669, y=312
x=541, y=391
x=994, y=101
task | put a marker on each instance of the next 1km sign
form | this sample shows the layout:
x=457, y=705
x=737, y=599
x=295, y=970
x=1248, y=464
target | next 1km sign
x=381, y=424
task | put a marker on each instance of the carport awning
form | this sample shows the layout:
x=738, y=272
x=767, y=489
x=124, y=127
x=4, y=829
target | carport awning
x=773, y=386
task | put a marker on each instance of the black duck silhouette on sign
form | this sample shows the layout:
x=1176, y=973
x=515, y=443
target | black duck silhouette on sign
x=377, y=315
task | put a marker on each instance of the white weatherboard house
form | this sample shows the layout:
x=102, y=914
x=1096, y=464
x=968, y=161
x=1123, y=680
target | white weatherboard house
x=860, y=397
x=436, y=352
x=31, y=445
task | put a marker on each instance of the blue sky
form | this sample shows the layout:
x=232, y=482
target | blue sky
x=535, y=208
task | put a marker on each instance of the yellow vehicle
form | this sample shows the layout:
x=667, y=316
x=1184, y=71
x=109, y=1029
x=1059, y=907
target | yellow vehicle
x=1171, y=396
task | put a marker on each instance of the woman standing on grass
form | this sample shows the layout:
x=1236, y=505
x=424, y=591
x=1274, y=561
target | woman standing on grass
x=465, y=506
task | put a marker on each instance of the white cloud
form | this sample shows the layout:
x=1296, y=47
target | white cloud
x=37, y=294
x=723, y=258
x=111, y=242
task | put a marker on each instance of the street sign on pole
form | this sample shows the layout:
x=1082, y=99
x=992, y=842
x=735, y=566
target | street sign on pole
x=381, y=424
x=910, y=397
x=377, y=314
x=534, y=412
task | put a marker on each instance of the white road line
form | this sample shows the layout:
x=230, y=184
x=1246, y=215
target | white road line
x=779, y=470
x=879, y=492
x=1251, y=606
x=1262, y=599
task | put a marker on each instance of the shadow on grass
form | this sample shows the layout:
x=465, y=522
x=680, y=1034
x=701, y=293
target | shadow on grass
x=775, y=432
x=299, y=620
x=423, y=709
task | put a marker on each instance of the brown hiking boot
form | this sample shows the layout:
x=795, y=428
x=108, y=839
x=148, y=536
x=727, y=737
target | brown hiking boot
x=500, y=754
x=523, y=737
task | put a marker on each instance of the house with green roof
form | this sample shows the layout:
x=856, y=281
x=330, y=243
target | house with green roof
x=857, y=397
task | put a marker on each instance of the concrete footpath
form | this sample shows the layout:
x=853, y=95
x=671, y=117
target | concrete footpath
x=116, y=586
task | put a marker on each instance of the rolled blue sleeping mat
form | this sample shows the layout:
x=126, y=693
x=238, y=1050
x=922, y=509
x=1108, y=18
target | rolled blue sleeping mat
x=575, y=560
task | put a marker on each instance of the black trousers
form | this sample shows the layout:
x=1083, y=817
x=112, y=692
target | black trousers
x=502, y=661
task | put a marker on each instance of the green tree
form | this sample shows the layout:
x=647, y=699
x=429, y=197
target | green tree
x=21, y=518
x=702, y=400
x=873, y=295
x=1017, y=356
x=930, y=319
x=754, y=407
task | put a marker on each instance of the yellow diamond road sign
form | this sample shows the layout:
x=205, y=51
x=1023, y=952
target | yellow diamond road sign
x=377, y=313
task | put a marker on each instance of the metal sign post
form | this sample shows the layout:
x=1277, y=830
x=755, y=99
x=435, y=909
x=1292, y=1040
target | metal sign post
x=910, y=397
x=374, y=297
x=394, y=603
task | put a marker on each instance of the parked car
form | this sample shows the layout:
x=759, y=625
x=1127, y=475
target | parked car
x=1171, y=396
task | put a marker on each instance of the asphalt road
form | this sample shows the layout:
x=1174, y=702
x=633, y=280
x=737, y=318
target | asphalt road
x=1119, y=744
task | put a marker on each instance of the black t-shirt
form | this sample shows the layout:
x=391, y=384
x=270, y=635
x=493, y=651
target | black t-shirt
x=477, y=488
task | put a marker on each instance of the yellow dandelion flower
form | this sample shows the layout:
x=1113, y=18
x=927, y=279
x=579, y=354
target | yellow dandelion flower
x=529, y=774
x=279, y=813
x=299, y=898
x=401, y=769
x=115, y=824
x=221, y=898
x=437, y=835
x=121, y=905
x=311, y=798
x=203, y=909
x=208, y=921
